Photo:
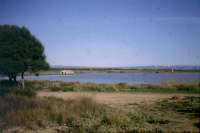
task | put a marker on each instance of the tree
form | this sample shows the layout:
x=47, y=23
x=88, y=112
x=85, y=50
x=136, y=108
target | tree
x=20, y=51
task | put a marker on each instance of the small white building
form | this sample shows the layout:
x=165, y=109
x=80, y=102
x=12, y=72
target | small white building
x=66, y=72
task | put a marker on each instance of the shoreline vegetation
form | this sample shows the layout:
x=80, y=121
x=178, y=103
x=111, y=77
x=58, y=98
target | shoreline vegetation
x=169, y=86
x=164, y=87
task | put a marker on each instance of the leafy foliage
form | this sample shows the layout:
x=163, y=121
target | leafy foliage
x=20, y=51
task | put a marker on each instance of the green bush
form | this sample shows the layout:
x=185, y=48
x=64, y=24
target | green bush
x=24, y=92
x=188, y=88
x=17, y=91
x=54, y=88
x=4, y=91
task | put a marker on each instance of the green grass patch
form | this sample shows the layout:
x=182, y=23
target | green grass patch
x=120, y=87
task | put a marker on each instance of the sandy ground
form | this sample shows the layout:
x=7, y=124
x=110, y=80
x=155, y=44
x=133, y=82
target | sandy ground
x=115, y=98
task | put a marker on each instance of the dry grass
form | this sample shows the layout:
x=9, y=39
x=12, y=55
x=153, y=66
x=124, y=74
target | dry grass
x=21, y=111
x=83, y=114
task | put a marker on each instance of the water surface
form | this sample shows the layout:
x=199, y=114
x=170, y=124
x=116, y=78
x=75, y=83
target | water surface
x=118, y=77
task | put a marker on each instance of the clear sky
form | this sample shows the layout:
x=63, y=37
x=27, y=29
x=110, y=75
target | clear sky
x=111, y=32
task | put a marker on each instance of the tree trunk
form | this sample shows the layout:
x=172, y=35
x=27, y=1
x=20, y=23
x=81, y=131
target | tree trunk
x=10, y=78
x=15, y=79
x=22, y=76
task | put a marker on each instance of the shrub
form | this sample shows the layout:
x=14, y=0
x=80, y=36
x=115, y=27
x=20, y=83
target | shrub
x=54, y=88
x=17, y=91
x=24, y=92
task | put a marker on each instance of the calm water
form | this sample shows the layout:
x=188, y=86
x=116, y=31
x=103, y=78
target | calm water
x=119, y=77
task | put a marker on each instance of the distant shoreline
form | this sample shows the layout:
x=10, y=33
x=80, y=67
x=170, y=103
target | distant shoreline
x=104, y=70
x=56, y=71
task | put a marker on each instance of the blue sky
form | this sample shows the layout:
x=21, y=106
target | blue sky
x=111, y=32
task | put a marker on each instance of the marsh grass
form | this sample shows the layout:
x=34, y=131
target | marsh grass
x=120, y=87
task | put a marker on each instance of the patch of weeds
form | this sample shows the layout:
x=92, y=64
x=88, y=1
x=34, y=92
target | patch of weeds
x=152, y=120
x=17, y=91
x=197, y=124
x=55, y=88
x=24, y=92
x=189, y=105
x=188, y=88
x=68, y=88
x=4, y=91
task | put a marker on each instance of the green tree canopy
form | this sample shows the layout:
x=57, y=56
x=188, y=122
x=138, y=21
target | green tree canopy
x=20, y=51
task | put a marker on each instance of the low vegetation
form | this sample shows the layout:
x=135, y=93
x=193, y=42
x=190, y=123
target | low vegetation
x=120, y=87
x=189, y=105
x=23, y=112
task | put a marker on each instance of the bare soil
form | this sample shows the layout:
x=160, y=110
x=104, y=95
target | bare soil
x=115, y=98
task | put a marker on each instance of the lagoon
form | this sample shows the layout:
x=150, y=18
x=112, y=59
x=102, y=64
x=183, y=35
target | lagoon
x=131, y=78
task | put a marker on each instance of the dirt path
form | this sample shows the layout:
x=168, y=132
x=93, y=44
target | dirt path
x=115, y=98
